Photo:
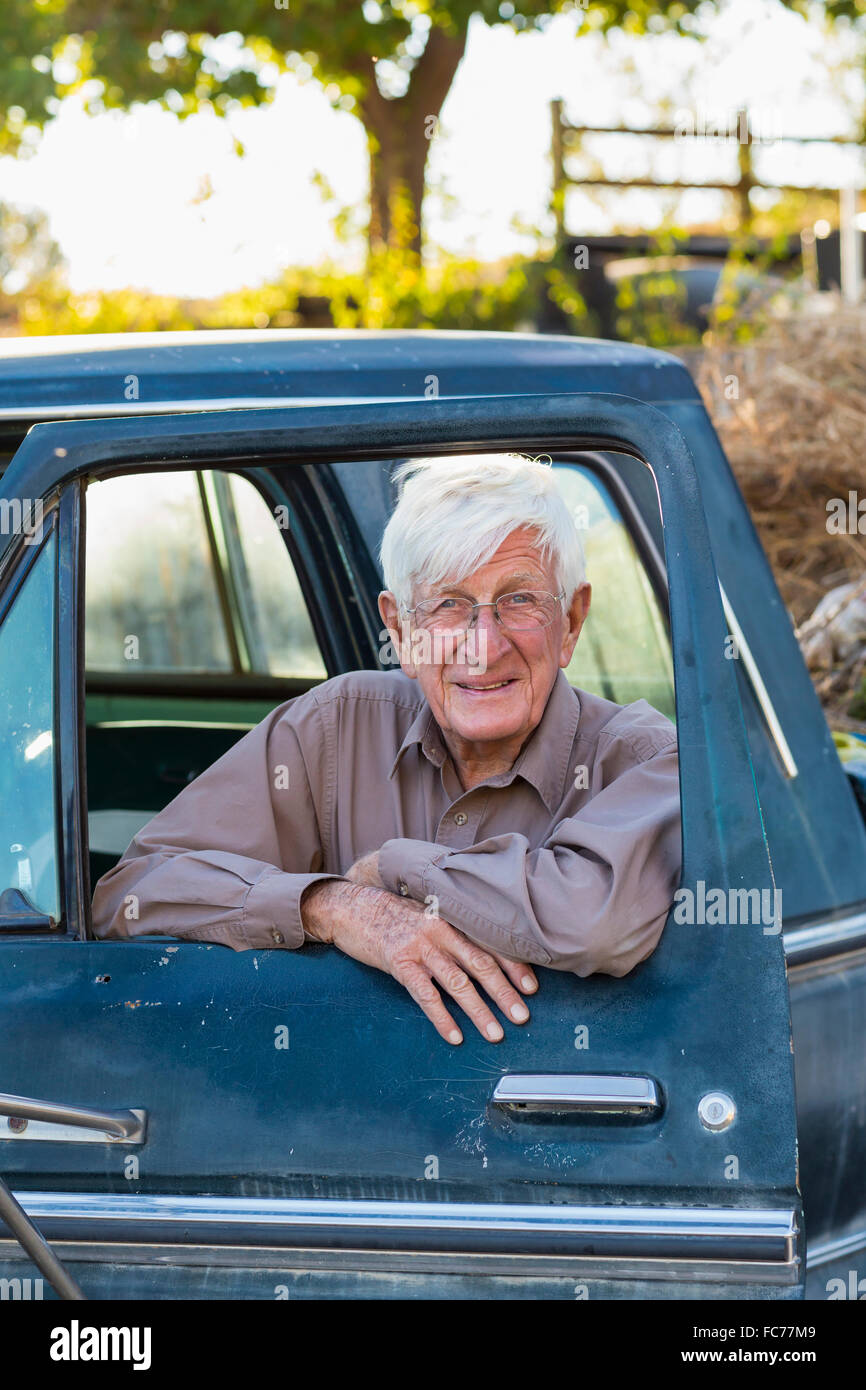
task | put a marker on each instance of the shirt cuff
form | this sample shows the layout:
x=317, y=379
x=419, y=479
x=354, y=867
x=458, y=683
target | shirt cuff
x=403, y=865
x=272, y=910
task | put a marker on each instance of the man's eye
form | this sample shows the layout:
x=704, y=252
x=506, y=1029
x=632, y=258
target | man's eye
x=445, y=603
x=519, y=600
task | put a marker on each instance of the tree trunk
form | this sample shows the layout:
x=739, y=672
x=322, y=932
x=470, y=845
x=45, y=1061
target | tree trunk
x=399, y=133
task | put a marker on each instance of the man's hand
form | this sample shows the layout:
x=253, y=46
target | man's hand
x=396, y=935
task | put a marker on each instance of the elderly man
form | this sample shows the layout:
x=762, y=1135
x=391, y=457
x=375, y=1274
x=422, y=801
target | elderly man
x=451, y=822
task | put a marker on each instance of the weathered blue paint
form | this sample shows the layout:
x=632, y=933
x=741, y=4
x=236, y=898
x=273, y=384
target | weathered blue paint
x=93, y=369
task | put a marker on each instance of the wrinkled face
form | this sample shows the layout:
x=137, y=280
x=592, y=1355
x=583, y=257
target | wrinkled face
x=500, y=702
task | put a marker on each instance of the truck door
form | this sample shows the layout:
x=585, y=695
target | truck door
x=184, y=1120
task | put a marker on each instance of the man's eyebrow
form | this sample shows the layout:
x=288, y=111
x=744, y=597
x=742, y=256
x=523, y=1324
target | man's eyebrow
x=520, y=579
x=505, y=587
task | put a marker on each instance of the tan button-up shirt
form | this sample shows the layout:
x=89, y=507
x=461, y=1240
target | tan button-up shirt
x=570, y=859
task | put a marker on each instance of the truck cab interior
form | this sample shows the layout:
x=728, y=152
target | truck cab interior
x=200, y=619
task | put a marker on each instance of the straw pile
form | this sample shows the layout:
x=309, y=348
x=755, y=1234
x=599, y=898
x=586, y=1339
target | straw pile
x=790, y=409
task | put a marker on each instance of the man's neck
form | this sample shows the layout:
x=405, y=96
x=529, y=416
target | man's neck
x=472, y=767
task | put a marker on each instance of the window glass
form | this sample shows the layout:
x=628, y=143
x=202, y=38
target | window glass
x=281, y=637
x=624, y=650
x=190, y=572
x=152, y=600
x=28, y=828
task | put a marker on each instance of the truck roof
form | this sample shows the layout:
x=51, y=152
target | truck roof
x=137, y=373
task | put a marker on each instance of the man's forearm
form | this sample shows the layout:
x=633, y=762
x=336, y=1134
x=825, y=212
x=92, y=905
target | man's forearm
x=320, y=909
x=323, y=904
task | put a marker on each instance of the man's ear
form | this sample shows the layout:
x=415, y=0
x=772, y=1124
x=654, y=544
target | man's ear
x=575, y=618
x=389, y=612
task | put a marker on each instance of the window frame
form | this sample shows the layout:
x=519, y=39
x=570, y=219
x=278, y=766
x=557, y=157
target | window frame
x=59, y=522
x=328, y=588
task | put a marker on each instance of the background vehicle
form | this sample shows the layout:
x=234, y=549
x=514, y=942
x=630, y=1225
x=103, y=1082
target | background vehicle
x=285, y=1123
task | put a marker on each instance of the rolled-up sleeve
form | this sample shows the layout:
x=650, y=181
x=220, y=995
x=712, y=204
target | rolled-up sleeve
x=208, y=867
x=594, y=897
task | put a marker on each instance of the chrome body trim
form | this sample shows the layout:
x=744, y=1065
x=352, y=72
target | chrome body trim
x=696, y=1235
x=285, y=1258
x=836, y=1249
x=825, y=938
x=611, y=1095
x=761, y=693
x=80, y=1124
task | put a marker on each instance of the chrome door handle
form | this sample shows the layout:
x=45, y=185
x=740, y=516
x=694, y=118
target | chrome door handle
x=46, y=1119
x=578, y=1093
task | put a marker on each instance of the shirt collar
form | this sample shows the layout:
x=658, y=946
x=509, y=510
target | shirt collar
x=544, y=761
x=425, y=731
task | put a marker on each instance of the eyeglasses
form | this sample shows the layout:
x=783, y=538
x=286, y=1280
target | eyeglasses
x=523, y=611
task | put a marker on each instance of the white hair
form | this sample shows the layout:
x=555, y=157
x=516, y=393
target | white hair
x=454, y=512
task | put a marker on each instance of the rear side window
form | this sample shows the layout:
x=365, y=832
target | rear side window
x=152, y=598
x=188, y=573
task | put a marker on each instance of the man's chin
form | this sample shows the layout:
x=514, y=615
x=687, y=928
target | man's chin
x=481, y=715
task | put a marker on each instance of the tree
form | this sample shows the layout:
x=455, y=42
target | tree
x=391, y=62
x=28, y=252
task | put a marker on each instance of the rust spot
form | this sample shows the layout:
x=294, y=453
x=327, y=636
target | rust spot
x=131, y=1003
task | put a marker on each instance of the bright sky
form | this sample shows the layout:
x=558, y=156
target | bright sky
x=124, y=191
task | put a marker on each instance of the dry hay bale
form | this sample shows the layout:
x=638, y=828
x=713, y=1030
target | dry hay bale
x=790, y=409
x=795, y=433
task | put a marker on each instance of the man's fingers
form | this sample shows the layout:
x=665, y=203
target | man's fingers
x=485, y=968
x=455, y=980
x=417, y=982
x=523, y=976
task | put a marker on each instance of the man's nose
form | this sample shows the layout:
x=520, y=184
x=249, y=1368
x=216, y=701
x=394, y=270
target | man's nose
x=488, y=631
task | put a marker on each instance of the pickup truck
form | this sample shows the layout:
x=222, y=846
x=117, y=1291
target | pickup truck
x=189, y=526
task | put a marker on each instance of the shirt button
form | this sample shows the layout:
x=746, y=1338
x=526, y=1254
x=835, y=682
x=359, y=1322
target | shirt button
x=404, y=891
x=461, y=818
x=276, y=936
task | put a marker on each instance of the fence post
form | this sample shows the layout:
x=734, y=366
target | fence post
x=558, y=161
x=850, y=248
x=746, y=180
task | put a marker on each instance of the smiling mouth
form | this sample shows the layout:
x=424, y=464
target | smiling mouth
x=483, y=689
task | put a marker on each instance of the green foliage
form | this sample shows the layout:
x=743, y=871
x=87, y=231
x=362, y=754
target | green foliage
x=563, y=291
x=28, y=252
x=651, y=304
x=397, y=291
x=650, y=310
x=49, y=307
x=165, y=51
x=754, y=281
